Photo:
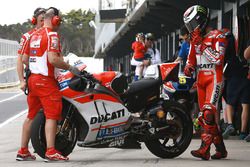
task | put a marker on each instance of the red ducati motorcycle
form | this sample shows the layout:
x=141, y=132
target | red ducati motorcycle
x=102, y=110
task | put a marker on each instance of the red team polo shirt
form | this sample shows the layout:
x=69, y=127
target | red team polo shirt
x=24, y=40
x=43, y=88
x=41, y=42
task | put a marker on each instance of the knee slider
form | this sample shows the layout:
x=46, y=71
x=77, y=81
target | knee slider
x=209, y=117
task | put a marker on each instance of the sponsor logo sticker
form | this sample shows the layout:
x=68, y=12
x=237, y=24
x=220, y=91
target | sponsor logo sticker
x=64, y=84
x=54, y=43
x=21, y=42
x=110, y=132
x=32, y=60
x=33, y=52
x=35, y=41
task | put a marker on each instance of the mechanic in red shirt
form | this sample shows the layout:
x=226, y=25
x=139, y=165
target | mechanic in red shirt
x=37, y=21
x=206, y=53
x=43, y=55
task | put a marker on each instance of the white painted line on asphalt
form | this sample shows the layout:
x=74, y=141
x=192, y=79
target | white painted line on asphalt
x=12, y=97
x=9, y=85
x=13, y=118
x=8, y=69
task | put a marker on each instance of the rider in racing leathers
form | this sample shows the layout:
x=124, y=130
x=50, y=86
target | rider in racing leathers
x=207, y=55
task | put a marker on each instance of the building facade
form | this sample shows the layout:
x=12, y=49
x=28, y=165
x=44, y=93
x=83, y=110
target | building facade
x=118, y=23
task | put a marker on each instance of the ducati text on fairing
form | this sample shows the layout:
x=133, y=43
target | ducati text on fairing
x=107, y=117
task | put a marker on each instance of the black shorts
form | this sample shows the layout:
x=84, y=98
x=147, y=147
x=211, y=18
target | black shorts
x=237, y=91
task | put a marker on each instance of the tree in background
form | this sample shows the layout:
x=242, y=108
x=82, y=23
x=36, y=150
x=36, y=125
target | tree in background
x=76, y=35
x=14, y=31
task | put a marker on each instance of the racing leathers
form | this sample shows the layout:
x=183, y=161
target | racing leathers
x=207, y=56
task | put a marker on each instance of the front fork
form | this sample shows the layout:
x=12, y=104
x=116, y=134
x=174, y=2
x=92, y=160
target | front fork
x=66, y=121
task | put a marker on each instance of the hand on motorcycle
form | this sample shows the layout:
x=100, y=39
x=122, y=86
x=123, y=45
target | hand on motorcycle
x=188, y=70
x=74, y=70
x=90, y=77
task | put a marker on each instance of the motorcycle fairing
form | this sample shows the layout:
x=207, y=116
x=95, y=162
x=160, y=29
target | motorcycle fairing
x=169, y=87
x=63, y=81
x=169, y=71
x=105, y=77
x=103, y=114
x=114, y=81
x=106, y=142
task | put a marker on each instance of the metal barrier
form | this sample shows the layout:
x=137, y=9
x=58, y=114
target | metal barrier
x=8, y=58
x=7, y=62
x=8, y=74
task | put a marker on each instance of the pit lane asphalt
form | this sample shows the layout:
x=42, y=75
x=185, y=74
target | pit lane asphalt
x=12, y=102
x=10, y=134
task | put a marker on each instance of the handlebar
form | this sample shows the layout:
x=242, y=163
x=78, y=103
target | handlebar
x=83, y=81
x=89, y=77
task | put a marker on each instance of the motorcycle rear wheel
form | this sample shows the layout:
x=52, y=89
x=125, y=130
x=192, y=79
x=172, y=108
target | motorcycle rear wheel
x=64, y=143
x=163, y=148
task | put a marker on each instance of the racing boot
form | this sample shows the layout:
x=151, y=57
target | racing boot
x=204, y=151
x=221, y=151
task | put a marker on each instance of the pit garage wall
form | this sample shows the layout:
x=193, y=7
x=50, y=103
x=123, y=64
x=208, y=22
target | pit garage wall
x=168, y=44
x=227, y=17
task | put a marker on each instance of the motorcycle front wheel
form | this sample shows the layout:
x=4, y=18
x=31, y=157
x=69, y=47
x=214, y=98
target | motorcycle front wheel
x=171, y=147
x=65, y=142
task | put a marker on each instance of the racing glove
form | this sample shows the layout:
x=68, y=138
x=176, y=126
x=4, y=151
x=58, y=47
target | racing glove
x=188, y=70
x=196, y=37
x=196, y=124
x=74, y=70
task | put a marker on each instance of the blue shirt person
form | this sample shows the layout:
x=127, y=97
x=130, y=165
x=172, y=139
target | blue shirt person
x=184, y=50
x=183, y=53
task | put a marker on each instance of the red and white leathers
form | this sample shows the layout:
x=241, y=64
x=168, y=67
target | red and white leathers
x=43, y=88
x=208, y=56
